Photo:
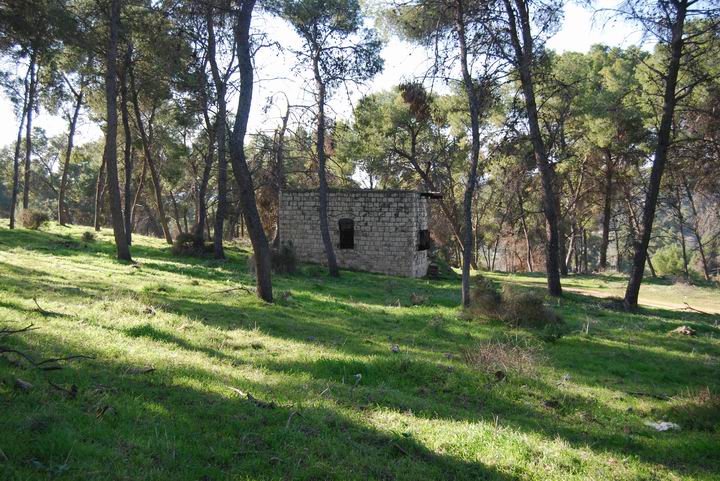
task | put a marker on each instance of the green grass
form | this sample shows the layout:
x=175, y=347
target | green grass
x=420, y=414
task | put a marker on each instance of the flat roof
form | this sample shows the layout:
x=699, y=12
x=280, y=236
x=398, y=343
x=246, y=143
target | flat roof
x=432, y=195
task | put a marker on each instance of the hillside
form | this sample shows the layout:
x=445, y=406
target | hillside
x=190, y=378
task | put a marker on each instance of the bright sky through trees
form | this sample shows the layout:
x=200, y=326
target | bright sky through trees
x=403, y=61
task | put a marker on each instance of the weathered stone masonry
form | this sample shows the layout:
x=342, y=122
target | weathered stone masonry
x=385, y=234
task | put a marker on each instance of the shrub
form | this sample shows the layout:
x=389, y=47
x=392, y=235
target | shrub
x=525, y=308
x=668, y=261
x=184, y=245
x=484, y=297
x=515, y=306
x=284, y=260
x=88, y=236
x=34, y=218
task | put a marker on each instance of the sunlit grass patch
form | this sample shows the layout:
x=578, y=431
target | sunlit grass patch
x=347, y=378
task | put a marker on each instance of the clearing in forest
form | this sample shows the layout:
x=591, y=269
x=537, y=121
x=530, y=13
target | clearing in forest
x=187, y=379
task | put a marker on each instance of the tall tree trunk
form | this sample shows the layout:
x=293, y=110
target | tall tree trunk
x=663, y=144
x=136, y=198
x=221, y=129
x=99, y=193
x=128, y=152
x=618, y=255
x=586, y=267
x=696, y=229
x=523, y=222
x=16, y=158
x=607, y=211
x=279, y=174
x=110, y=155
x=198, y=229
x=474, y=107
x=68, y=155
x=323, y=187
x=28, y=128
x=147, y=149
x=681, y=228
x=573, y=245
x=523, y=58
x=263, y=266
x=176, y=211
x=635, y=227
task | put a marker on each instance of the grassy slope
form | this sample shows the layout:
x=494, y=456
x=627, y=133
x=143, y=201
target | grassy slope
x=414, y=415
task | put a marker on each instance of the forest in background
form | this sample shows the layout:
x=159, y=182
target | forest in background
x=546, y=162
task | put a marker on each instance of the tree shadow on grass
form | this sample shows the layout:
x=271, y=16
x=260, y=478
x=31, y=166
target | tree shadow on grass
x=161, y=425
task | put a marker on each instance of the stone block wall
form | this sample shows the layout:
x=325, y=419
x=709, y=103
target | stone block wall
x=386, y=229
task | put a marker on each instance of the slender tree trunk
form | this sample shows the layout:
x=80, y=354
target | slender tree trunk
x=681, y=229
x=523, y=223
x=562, y=245
x=28, y=128
x=261, y=248
x=99, y=194
x=635, y=226
x=618, y=255
x=586, y=267
x=280, y=181
x=139, y=190
x=696, y=229
x=220, y=87
x=128, y=152
x=207, y=225
x=323, y=187
x=176, y=211
x=202, y=192
x=123, y=250
x=474, y=107
x=147, y=149
x=663, y=143
x=201, y=200
x=607, y=212
x=68, y=155
x=573, y=241
x=16, y=158
x=523, y=57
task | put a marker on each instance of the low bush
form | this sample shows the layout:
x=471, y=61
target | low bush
x=485, y=298
x=88, y=236
x=525, y=308
x=284, y=260
x=34, y=218
x=184, y=245
x=514, y=306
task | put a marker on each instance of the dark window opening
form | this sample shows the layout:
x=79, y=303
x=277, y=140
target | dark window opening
x=347, y=233
x=423, y=240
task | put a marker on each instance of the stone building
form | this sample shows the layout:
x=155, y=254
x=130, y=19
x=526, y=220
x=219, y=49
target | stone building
x=383, y=231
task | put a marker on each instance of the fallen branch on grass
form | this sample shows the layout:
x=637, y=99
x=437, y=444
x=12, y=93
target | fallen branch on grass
x=49, y=364
x=40, y=309
x=71, y=393
x=662, y=397
x=8, y=332
x=688, y=307
x=258, y=402
x=241, y=288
